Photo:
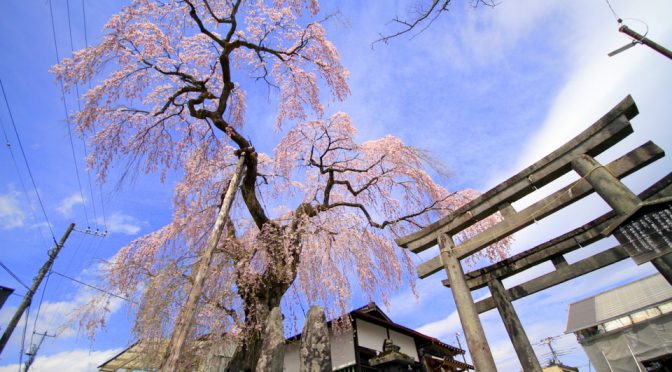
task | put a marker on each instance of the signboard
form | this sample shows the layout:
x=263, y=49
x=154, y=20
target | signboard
x=648, y=234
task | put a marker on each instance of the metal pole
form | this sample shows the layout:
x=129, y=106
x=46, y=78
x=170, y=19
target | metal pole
x=31, y=291
x=464, y=356
x=186, y=317
x=473, y=330
x=646, y=41
x=633, y=355
x=607, y=360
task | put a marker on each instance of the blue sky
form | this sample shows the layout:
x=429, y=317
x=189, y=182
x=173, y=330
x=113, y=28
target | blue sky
x=486, y=90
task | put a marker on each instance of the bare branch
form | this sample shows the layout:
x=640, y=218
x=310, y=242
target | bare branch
x=424, y=17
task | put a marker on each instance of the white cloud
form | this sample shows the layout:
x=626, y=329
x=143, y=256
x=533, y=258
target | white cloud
x=446, y=328
x=80, y=360
x=123, y=223
x=57, y=317
x=12, y=215
x=66, y=205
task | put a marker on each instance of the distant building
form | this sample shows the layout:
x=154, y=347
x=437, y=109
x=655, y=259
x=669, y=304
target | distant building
x=356, y=349
x=559, y=367
x=628, y=328
x=372, y=343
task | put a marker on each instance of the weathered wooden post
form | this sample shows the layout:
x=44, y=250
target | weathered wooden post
x=610, y=188
x=575, y=154
x=624, y=202
x=473, y=330
x=526, y=356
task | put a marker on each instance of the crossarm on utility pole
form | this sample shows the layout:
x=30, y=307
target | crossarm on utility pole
x=646, y=41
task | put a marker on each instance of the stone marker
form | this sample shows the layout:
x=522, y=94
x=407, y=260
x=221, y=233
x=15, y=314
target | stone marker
x=315, y=351
x=273, y=349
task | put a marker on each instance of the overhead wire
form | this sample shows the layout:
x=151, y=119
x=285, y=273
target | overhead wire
x=92, y=286
x=67, y=118
x=23, y=337
x=26, y=195
x=72, y=147
x=618, y=19
x=13, y=275
x=79, y=108
x=39, y=307
x=25, y=159
x=93, y=125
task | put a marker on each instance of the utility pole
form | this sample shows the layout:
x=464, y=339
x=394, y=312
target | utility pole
x=185, y=318
x=646, y=41
x=457, y=337
x=33, y=350
x=36, y=283
x=639, y=39
x=549, y=341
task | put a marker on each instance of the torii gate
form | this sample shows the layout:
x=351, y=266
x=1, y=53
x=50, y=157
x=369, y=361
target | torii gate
x=642, y=224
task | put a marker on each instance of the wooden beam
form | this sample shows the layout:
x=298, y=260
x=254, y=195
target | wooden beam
x=629, y=163
x=559, y=261
x=584, y=235
x=558, y=276
x=604, y=133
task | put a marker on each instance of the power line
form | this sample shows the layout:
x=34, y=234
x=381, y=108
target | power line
x=13, y=275
x=25, y=159
x=618, y=19
x=93, y=125
x=39, y=307
x=67, y=117
x=79, y=108
x=23, y=337
x=86, y=37
x=92, y=286
x=26, y=195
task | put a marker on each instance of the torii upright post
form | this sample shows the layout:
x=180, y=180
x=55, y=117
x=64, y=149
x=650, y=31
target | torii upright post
x=473, y=330
x=514, y=328
x=619, y=197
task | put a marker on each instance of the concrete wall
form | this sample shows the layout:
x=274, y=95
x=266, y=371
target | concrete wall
x=342, y=352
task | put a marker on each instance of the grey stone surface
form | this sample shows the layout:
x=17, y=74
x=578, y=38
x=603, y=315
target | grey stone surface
x=273, y=349
x=315, y=350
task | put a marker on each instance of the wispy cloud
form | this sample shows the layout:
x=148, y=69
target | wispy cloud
x=66, y=205
x=123, y=223
x=12, y=215
x=59, y=317
x=80, y=360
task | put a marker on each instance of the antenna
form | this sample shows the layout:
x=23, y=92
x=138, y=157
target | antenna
x=554, y=353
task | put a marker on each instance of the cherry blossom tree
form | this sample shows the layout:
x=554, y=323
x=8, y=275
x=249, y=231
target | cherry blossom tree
x=315, y=218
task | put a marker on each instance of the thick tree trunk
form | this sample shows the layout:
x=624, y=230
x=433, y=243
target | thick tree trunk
x=248, y=352
x=262, y=295
x=246, y=356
